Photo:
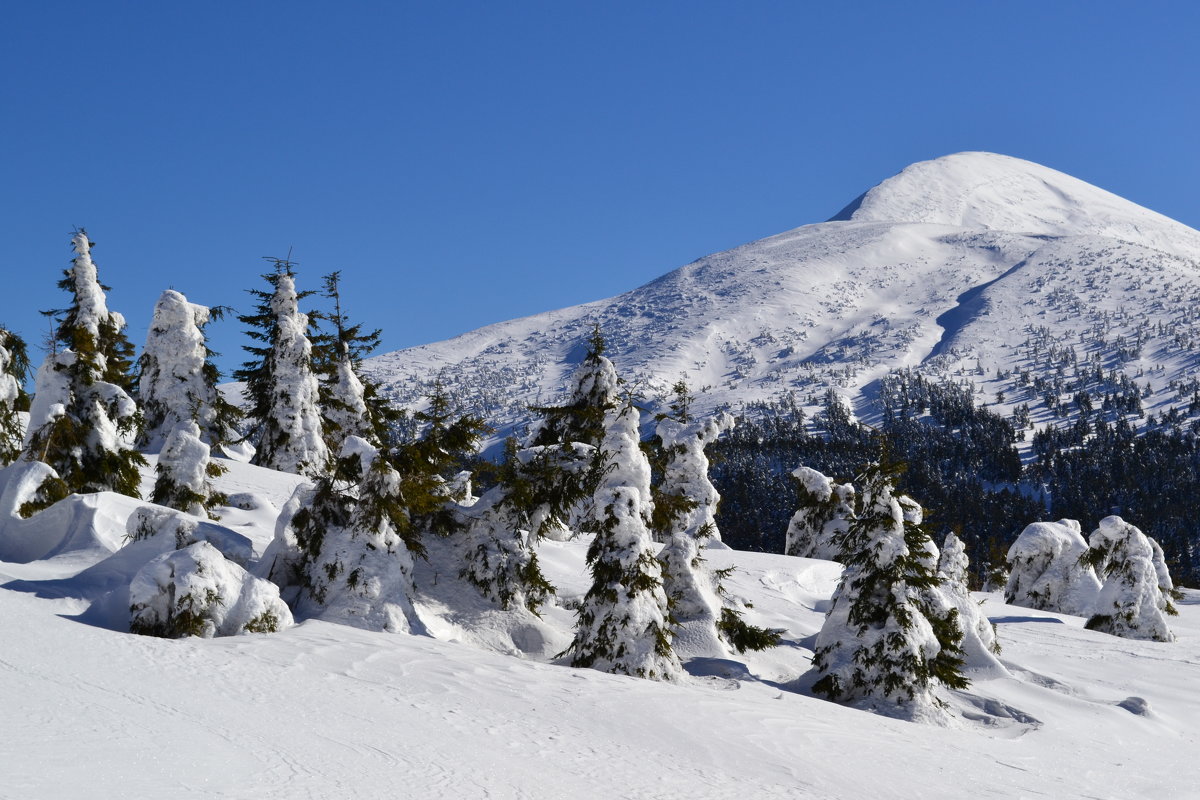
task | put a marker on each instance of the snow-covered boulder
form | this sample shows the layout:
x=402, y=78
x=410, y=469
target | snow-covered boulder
x=196, y=591
x=1047, y=570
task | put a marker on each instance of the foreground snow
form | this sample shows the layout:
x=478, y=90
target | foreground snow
x=323, y=710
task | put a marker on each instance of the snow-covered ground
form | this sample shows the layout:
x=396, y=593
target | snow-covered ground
x=478, y=710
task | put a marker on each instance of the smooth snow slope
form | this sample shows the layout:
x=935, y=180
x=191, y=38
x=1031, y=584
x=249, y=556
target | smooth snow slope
x=328, y=711
x=956, y=267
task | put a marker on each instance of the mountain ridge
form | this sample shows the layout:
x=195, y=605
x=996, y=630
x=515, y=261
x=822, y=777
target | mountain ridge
x=995, y=252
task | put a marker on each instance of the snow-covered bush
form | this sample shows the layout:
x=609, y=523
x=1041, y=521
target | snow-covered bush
x=178, y=530
x=1165, y=583
x=826, y=509
x=83, y=420
x=1131, y=603
x=197, y=592
x=281, y=390
x=1047, y=570
x=185, y=473
x=177, y=381
x=623, y=624
x=979, y=643
x=891, y=635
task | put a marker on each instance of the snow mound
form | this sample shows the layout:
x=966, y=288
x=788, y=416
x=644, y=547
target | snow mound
x=197, y=592
x=994, y=192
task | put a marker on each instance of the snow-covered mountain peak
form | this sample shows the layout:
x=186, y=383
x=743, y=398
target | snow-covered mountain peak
x=977, y=190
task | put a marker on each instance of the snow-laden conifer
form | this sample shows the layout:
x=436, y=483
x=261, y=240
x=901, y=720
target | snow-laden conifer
x=684, y=518
x=196, y=591
x=979, y=643
x=356, y=544
x=594, y=392
x=1047, y=569
x=1165, y=582
x=1130, y=603
x=177, y=381
x=824, y=514
x=623, y=625
x=534, y=494
x=185, y=471
x=351, y=404
x=891, y=635
x=281, y=390
x=83, y=421
x=14, y=367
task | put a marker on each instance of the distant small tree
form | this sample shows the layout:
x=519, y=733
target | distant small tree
x=1131, y=603
x=177, y=380
x=891, y=635
x=281, y=388
x=83, y=420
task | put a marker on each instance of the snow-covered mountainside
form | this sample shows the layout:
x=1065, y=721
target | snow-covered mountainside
x=976, y=266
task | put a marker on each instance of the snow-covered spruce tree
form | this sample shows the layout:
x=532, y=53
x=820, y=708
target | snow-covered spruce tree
x=1130, y=604
x=185, y=472
x=684, y=517
x=1047, y=569
x=83, y=420
x=351, y=404
x=577, y=427
x=891, y=635
x=177, y=380
x=196, y=591
x=281, y=388
x=535, y=492
x=1165, y=583
x=357, y=543
x=14, y=369
x=979, y=643
x=624, y=625
x=824, y=514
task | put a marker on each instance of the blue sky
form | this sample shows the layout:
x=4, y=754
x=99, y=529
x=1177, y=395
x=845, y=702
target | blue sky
x=465, y=163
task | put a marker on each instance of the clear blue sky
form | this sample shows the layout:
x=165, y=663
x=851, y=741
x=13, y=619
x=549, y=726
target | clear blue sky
x=465, y=163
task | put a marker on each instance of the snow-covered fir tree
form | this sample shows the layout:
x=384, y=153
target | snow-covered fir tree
x=14, y=368
x=684, y=517
x=177, y=380
x=83, y=421
x=351, y=404
x=594, y=392
x=1131, y=603
x=281, y=390
x=1165, y=583
x=1048, y=571
x=356, y=541
x=185, y=472
x=624, y=624
x=891, y=635
x=500, y=531
x=824, y=514
x=979, y=643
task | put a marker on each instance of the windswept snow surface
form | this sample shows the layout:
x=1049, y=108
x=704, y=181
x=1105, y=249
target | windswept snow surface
x=973, y=266
x=328, y=711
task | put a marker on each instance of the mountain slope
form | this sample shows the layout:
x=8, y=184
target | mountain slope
x=974, y=266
